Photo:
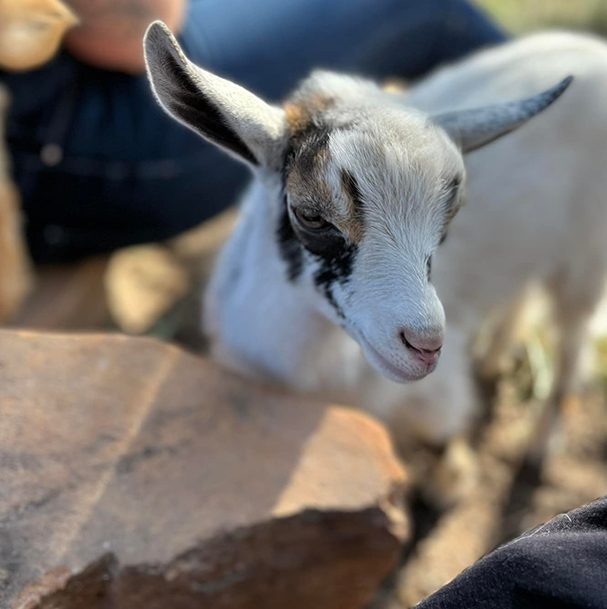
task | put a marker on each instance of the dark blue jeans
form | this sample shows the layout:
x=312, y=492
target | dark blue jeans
x=100, y=166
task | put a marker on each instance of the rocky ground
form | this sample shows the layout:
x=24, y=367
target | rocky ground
x=503, y=500
x=509, y=497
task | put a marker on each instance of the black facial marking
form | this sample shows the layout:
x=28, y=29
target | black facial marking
x=451, y=196
x=454, y=183
x=429, y=267
x=350, y=185
x=335, y=267
x=304, y=146
x=453, y=201
x=331, y=250
x=328, y=292
x=323, y=243
x=289, y=246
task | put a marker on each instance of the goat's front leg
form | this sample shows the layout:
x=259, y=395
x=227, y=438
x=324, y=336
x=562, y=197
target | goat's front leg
x=573, y=310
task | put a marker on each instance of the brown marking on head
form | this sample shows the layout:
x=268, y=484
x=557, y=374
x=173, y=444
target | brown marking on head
x=301, y=113
x=307, y=162
x=353, y=224
x=297, y=117
x=308, y=188
x=306, y=176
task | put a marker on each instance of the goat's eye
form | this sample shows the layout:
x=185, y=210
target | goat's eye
x=310, y=220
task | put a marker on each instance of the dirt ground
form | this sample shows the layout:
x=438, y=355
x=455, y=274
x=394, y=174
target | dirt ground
x=508, y=497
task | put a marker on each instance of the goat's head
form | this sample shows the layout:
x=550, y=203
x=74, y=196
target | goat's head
x=367, y=187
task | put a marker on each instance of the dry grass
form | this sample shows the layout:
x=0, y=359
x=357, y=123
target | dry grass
x=527, y=15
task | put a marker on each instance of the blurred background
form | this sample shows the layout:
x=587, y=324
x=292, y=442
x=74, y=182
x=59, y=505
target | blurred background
x=520, y=16
x=153, y=289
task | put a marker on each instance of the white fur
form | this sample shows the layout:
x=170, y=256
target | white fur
x=535, y=211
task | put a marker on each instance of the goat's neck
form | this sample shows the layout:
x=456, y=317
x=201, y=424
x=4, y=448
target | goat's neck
x=261, y=323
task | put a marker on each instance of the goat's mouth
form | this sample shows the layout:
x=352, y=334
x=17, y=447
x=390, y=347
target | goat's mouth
x=412, y=372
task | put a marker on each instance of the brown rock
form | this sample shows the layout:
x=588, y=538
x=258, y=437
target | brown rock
x=134, y=475
x=77, y=295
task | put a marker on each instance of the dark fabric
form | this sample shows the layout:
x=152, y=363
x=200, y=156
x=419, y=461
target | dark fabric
x=100, y=166
x=560, y=565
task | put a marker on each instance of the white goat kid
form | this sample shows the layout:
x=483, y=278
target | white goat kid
x=326, y=280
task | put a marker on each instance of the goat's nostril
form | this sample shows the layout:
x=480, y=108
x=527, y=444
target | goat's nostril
x=426, y=349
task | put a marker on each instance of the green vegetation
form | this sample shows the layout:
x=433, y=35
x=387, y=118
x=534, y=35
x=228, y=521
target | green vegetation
x=526, y=15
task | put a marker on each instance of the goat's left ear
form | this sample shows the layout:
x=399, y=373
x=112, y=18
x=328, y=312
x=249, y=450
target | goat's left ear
x=222, y=112
x=471, y=129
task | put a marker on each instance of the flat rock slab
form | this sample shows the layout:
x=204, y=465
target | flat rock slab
x=134, y=475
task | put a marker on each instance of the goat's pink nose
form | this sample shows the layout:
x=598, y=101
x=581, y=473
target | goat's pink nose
x=425, y=348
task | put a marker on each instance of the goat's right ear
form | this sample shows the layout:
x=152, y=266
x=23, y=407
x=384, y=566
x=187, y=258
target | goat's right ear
x=472, y=129
x=222, y=112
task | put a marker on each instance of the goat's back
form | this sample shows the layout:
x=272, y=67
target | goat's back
x=537, y=203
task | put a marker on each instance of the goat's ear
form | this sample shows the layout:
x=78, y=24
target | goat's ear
x=471, y=129
x=222, y=112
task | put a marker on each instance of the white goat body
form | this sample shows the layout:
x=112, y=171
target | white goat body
x=534, y=211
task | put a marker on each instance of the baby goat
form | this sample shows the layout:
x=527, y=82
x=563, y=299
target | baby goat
x=326, y=280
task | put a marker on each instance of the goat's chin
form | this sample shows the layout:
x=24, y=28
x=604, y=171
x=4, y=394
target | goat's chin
x=414, y=371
